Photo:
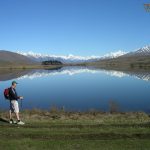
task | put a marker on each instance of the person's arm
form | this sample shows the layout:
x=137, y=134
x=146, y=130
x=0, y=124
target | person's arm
x=18, y=97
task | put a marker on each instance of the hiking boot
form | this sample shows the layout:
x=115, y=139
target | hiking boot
x=11, y=121
x=14, y=122
x=20, y=123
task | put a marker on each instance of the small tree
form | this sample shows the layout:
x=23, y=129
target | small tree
x=113, y=106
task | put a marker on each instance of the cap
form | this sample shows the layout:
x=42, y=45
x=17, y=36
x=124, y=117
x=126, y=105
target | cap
x=14, y=82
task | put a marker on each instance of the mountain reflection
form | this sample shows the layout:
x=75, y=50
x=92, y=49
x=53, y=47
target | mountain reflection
x=32, y=74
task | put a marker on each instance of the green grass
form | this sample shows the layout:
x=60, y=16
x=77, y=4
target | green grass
x=58, y=130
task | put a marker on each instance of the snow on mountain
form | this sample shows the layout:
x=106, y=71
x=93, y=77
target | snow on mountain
x=69, y=58
x=114, y=54
x=144, y=51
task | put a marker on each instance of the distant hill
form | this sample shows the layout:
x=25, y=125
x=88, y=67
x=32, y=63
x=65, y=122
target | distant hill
x=8, y=58
x=139, y=59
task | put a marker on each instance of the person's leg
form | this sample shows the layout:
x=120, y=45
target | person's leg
x=17, y=116
x=16, y=110
x=10, y=115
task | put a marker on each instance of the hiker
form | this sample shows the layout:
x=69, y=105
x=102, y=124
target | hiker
x=14, y=106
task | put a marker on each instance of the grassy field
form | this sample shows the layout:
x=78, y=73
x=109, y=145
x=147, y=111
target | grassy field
x=59, y=130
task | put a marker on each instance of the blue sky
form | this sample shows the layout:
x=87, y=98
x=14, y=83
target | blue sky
x=79, y=27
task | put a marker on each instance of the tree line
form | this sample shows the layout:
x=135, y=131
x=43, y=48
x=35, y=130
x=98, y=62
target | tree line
x=52, y=62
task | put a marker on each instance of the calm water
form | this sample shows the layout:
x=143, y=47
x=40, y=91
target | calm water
x=79, y=88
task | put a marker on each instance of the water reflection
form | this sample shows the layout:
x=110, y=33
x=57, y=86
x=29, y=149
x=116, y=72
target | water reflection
x=38, y=73
x=80, y=88
x=8, y=74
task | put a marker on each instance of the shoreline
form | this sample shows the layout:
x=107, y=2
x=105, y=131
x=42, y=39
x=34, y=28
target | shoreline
x=24, y=67
x=86, y=116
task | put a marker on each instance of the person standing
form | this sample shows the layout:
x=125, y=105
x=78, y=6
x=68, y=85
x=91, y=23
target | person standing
x=14, y=106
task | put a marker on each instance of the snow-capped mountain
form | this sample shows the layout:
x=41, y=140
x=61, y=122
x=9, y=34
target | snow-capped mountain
x=144, y=51
x=65, y=59
x=69, y=58
x=114, y=54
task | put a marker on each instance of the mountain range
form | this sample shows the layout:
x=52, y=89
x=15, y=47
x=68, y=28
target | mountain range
x=69, y=58
x=139, y=59
x=145, y=51
x=21, y=58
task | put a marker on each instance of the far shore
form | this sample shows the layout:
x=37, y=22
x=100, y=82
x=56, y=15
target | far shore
x=12, y=67
x=93, y=65
x=30, y=67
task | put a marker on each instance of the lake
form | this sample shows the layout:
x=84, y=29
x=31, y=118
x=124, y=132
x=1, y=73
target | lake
x=79, y=89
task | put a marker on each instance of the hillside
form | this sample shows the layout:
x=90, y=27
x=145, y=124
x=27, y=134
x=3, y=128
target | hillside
x=8, y=58
x=138, y=62
x=139, y=59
